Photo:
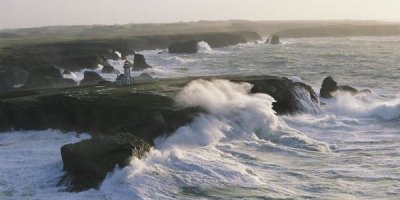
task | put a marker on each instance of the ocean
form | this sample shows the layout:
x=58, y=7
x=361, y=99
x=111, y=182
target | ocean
x=240, y=149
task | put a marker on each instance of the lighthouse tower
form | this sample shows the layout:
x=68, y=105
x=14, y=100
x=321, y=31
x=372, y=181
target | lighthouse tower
x=127, y=73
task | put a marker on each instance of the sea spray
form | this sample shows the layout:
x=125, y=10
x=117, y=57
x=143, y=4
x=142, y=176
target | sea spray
x=192, y=157
x=364, y=105
x=204, y=47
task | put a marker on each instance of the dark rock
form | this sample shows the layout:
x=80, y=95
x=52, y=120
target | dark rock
x=97, y=110
x=189, y=47
x=349, y=89
x=139, y=63
x=108, y=69
x=291, y=97
x=88, y=162
x=47, y=77
x=274, y=39
x=329, y=86
x=91, y=78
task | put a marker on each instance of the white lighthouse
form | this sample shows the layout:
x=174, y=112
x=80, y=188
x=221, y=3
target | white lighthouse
x=125, y=79
x=127, y=73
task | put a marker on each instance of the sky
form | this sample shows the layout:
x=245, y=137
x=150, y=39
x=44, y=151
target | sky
x=34, y=13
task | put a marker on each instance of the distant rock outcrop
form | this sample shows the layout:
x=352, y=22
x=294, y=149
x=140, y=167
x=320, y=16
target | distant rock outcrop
x=91, y=78
x=273, y=39
x=108, y=69
x=140, y=63
x=329, y=86
x=47, y=77
x=189, y=47
x=88, y=162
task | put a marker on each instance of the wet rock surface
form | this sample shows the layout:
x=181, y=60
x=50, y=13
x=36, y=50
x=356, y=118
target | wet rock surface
x=330, y=86
x=87, y=162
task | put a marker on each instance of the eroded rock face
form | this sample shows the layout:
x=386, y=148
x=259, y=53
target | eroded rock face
x=148, y=110
x=96, y=110
x=291, y=97
x=140, y=63
x=91, y=78
x=189, y=47
x=329, y=86
x=87, y=162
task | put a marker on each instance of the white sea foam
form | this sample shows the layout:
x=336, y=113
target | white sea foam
x=31, y=164
x=191, y=156
x=364, y=105
x=118, y=54
x=204, y=47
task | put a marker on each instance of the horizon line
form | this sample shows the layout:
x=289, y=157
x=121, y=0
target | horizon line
x=198, y=21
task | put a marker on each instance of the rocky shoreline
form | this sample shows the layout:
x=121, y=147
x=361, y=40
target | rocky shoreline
x=141, y=112
x=18, y=61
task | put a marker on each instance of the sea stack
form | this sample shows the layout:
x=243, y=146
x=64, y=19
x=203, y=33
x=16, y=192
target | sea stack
x=329, y=86
x=140, y=63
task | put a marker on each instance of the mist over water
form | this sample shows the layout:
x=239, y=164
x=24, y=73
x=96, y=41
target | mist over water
x=348, y=148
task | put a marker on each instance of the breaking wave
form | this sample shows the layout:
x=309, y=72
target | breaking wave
x=204, y=47
x=194, y=156
x=365, y=105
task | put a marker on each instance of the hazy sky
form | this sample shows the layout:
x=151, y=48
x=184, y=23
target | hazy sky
x=31, y=13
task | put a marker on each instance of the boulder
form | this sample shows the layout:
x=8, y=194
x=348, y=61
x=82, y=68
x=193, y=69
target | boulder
x=108, y=69
x=140, y=63
x=91, y=78
x=189, y=47
x=291, y=97
x=329, y=86
x=274, y=39
x=87, y=162
x=47, y=77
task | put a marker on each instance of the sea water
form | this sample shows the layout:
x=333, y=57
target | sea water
x=349, y=148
